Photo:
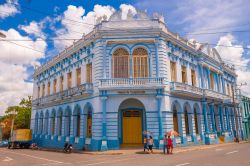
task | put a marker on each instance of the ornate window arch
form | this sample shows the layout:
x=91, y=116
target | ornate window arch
x=120, y=63
x=140, y=63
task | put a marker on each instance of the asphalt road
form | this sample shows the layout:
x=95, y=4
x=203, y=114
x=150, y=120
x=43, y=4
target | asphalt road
x=228, y=155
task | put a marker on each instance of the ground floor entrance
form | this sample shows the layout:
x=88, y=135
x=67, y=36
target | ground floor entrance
x=132, y=123
x=132, y=127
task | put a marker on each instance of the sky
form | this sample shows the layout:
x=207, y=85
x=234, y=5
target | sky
x=36, y=31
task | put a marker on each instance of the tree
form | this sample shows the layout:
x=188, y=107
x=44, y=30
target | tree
x=21, y=113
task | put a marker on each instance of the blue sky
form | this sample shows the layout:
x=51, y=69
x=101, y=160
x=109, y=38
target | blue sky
x=37, y=24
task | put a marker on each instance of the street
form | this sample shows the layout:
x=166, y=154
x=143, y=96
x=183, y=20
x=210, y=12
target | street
x=230, y=155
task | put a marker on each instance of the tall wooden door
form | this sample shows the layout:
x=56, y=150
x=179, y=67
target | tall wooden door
x=132, y=127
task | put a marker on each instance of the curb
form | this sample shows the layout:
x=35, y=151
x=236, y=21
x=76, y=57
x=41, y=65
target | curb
x=157, y=151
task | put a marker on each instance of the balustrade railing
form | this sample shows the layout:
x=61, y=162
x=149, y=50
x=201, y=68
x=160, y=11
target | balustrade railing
x=182, y=87
x=132, y=82
x=214, y=94
x=84, y=88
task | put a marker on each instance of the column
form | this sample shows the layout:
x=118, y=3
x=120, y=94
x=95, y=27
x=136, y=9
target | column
x=212, y=117
x=159, y=99
x=201, y=84
x=221, y=118
x=73, y=79
x=130, y=65
x=104, y=46
x=223, y=84
x=227, y=118
x=157, y=57
x=204, y=110
x=208, y=78
x=65, y=81
x=104, y=145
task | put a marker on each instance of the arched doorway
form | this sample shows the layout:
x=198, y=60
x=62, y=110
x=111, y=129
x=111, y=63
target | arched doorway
x=197, y=119
x=132, y=122
x=88, y=115
x=177, y=119
x=188, y=119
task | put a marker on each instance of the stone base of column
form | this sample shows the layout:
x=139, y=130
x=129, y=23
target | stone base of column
x=184, y=141
x=104, y=145
x=211, y=138
x=194, y=139
x=228, y=137
x=160, y=143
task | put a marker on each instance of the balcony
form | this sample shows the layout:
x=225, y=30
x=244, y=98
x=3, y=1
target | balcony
x=185, y=90
x=217, y=95
x=132, y=83
x=66, y=94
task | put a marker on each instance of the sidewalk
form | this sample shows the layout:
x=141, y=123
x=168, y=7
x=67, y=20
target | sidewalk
x=157, y=151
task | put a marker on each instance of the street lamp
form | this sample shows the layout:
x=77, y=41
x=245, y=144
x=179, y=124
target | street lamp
x=2, y=35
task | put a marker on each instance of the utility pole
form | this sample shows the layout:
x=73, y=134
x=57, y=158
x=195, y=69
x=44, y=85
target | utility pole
x=234, y=91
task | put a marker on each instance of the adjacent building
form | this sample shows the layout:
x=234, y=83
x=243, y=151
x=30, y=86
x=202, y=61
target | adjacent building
x=132, y=76
x=245, y=106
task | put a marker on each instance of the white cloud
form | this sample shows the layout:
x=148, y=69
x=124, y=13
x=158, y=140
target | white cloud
x=14, y=62
x=233, y=54
x=125, y=9
x=8, y=9
x=213, y=15
x=13, y=54
x=34, y=28
x=75, y=24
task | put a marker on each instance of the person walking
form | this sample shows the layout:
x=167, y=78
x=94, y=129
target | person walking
x=170, y=145
x=145, y=143
x=150, y=144
x=165, y=146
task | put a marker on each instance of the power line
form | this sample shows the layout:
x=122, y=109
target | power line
x=213, y=33
x=26, y=47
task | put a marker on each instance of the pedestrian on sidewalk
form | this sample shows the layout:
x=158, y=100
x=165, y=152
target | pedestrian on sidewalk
x=165, y=146
x=150, y=144
x=170, y=145
x=145, y=143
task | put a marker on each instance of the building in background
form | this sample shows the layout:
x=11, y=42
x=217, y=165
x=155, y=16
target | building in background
x=131, y=76
x=245, y=107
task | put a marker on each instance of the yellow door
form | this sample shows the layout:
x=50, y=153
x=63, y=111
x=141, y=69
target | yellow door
x=132, y=127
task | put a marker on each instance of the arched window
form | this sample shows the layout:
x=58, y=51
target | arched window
x=196, y=121
x=60, y=123
x=89, y=124
x=175, y=119
x=140, y=63
x=186, y=121
x=120, y=62
x=53, y=123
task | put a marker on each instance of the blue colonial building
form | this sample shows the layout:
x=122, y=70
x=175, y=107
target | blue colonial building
x=131, y=75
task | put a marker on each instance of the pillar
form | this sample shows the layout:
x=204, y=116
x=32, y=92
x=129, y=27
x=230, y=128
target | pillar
x=208, y=77
x=223, y=84
x=104, y=145
x=227, y=118
x=159, y=99
x=212, y=117
x=156, y=57
x=221, y=118
x=204, y=111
